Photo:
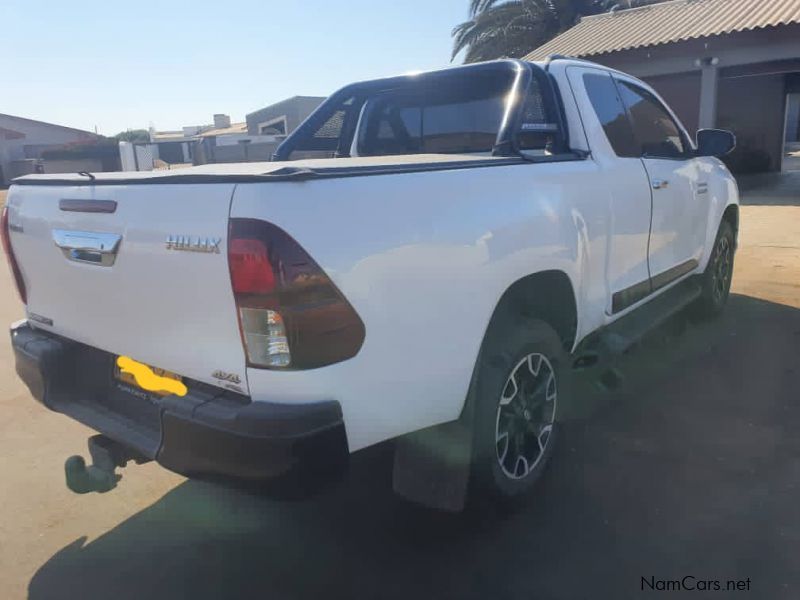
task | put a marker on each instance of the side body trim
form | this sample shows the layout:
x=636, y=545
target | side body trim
x=670, y=275
x=639, y=291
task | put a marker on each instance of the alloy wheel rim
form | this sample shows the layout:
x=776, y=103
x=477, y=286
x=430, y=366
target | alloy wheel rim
x=525, y=415
x=721, y=272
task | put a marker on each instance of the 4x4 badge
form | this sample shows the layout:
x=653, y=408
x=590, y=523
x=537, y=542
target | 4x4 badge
x=232, y=377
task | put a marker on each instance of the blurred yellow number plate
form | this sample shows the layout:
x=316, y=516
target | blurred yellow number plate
x=151, y=379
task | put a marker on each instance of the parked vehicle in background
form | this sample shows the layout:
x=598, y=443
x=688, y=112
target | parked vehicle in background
x=482, y=231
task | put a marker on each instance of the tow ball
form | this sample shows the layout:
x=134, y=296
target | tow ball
x=101, y=475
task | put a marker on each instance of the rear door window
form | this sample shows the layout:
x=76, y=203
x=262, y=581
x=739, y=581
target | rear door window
x=610, y=111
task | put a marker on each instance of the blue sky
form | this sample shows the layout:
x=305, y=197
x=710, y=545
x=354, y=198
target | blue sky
x=118, y=64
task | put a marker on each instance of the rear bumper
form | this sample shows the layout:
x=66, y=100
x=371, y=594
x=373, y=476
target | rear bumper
x=208, y=433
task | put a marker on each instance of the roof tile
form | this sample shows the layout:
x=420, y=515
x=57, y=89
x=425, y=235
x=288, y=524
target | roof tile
x=668, y=22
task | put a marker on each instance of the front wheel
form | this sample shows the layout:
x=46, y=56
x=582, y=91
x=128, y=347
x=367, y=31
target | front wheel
x=716, y=280
x=516, y=395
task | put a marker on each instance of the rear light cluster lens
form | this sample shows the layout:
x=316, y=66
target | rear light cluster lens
x=290, y=314
x=250, y=269
x=12, y=261
x=265, y=337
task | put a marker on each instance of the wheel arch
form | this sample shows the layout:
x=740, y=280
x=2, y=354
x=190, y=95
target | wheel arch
x=546, y=295
x=731, y=215
x=524, y=297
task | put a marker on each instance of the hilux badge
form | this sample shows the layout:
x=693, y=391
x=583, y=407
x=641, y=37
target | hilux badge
x=188, y=243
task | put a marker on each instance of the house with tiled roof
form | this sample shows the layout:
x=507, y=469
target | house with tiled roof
x=733, y=64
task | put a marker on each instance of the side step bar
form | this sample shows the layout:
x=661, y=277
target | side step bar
x=619, y=336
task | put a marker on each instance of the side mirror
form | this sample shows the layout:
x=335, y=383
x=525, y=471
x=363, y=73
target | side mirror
x=715, y=142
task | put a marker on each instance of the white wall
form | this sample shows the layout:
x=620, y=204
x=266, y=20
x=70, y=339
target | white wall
x=38, y=135
x=143, y=159
x=73, y=166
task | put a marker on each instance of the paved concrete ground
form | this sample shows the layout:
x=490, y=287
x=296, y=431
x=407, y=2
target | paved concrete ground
x=693, y=468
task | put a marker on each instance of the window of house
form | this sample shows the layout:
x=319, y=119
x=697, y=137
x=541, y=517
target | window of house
x=657, y=134
x=273, y=127
x=610, y=111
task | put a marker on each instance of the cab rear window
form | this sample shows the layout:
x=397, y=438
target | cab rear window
x=500, y=108
x=456, y=119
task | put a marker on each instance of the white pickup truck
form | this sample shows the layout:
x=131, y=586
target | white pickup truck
x=428, y=258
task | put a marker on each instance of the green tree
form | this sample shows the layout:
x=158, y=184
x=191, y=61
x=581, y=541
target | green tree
x=512, y=28
x=133, y=135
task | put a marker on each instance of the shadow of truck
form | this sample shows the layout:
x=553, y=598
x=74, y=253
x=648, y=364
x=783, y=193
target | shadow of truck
x=692, y=468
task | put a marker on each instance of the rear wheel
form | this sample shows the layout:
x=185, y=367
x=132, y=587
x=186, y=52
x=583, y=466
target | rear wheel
x=717, y=277
x=516, y=395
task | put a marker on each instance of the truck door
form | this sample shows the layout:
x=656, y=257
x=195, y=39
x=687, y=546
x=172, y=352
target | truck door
x=678, y=228
x=625, y=194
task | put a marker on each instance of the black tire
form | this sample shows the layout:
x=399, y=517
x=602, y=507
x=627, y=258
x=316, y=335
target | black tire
x=507, y=346
x=716, y=279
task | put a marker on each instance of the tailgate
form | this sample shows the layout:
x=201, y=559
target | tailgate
x=103, y=273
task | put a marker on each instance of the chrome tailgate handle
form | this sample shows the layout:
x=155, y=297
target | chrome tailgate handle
x=87, y=246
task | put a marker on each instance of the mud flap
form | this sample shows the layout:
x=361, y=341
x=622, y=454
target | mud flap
x=432, y=466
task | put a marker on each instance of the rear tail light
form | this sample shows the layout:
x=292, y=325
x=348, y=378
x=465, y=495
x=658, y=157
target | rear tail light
x=291, y=315
x=12, y=261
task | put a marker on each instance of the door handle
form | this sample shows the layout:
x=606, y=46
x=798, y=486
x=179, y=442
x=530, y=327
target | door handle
x=88, y=246
x=659, y=184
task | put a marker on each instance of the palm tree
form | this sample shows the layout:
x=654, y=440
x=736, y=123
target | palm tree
x=512, y=28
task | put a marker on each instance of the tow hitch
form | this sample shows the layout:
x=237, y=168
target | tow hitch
x=101, y=475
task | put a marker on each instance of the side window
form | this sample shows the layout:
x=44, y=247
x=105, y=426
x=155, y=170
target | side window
x=610, y=111
x=656, y=131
